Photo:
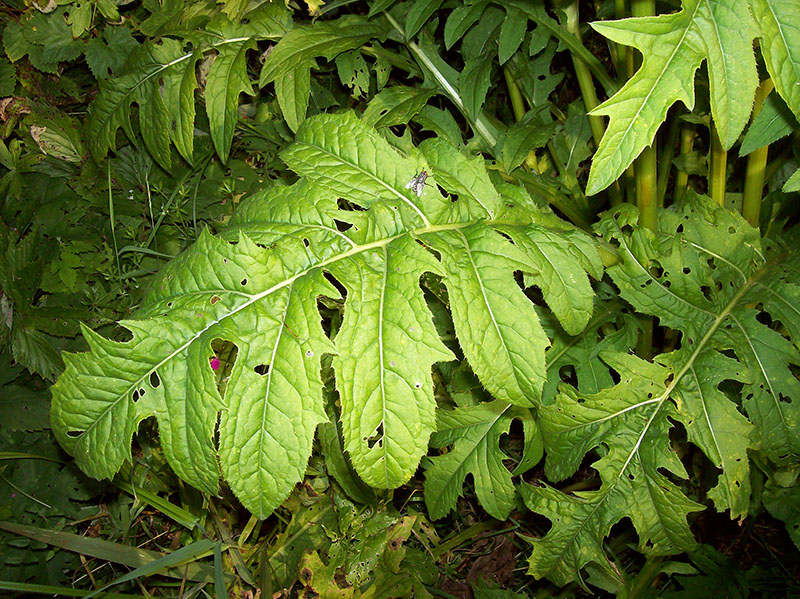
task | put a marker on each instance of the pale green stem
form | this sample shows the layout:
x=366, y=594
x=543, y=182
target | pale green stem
x=665, y=160
x=588, y=91
x=718, y=168
x=682, y=178
x=646, y=188
x=622, y=51
x=481, y=126
x=517, y=103
x=756, y=165
x=646, y=174
x=518, y=106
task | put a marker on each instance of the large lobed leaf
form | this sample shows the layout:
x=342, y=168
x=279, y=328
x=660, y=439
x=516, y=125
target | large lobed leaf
x=257, y=288
x=705, y=274
x=673, y=46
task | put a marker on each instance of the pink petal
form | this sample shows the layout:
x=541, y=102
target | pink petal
x=215, y=363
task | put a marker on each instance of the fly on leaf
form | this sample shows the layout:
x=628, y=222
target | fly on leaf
x=417, y=183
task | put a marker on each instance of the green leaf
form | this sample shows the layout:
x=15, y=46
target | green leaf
x=14, y=42
x=773, y=122
x=784, y=504
x=537, y=13
x=572, y=142
x=353, y=72
x=581, y=352
x=303, y=44
x=704, y=274
x=780, y=46
x=145, y=82
x=631, y=421
x=460, y=20
x=440, y=122
x=475, y=435
x=8, y=78
x=35, y=352
x=473, y=84
x=673, y=46
x=256, y=287
x=511, y=34
x=226, y=80
x=106, y=56
x=793, y=183
x=396, y=105
x=418, y=13
x=531, y=133
x=534, y=76
x=293, y=90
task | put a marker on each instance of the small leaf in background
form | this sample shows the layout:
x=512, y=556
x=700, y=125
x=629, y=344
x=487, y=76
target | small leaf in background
x=396, y=105
x=460, y=20
x=780, y=46
x=419, y=12
x=511, y=33
x=475, y=435
x=784, y=504
x=58, y=137
x=793, y=183
x=531, y=133
x=293, y=89
x=673, y=46
x=774, y=122
x=105, y=56
x=440, y=122
x=692, y=163
x=353, y=72
x=572, y=142
x=473, y=84
x=534, y=76
x=8, y=78
x=226, y=80
x=303, y=44
x=80, y=17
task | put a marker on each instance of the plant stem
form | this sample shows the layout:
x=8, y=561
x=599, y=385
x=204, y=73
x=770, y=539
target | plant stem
x=646, y=188
x=665, y=160
x=588, y=91
x=651, y=569
x=756, y=165
x=518, y=106
x=718, y=168
x=682, y=178
x=584, y=76
x=646, y=166
x=646, y=173
x=517, y=103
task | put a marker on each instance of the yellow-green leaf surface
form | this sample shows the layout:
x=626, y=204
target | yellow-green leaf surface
x=256, y=286
x=475, y=432
x=780, y=44
x=673, y=46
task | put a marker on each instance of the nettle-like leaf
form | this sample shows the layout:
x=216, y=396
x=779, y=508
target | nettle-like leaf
x=705, y=274
x=475, y=432
x=289, y=64
x=673, y=46
x=159, y=77
x=257, y=285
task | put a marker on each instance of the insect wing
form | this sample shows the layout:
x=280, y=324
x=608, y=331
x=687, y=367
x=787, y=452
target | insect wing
x=417, y=183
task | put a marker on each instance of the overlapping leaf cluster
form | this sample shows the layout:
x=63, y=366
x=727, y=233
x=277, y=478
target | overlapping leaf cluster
x=706, y=274
x=258, y=287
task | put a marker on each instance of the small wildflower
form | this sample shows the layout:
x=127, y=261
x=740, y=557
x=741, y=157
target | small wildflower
x=215, y=363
